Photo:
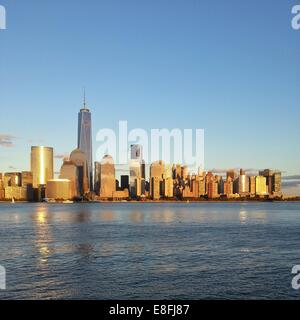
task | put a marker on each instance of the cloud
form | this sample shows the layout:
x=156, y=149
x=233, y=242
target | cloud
x=295, y=177
x=291, y=181
x=249, y=171
x=61, y=156
x=6, y=140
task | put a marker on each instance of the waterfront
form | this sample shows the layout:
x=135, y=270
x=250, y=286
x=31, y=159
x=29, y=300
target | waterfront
x=150, y=251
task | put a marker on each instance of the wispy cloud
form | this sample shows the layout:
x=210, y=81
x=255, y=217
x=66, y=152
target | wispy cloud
x=61, y=155
x=249, y=171
x=290, y=181
x=6, y=140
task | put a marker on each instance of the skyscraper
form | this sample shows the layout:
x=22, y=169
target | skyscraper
x=137, y=170
x=107, y=177
x=41, y=165
x=85, y=138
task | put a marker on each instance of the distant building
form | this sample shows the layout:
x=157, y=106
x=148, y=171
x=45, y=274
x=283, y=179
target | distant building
x=167, y=182
x=78, y=174
x=26, y=178
x=208, y=178
x=228, y=187
x=41, y=165
x=135, y=178
x=121, y=194
x=252, y=187
x=261, y=186
x=156, y=178
x=59, y=189
x=97, y=171
x=232, y=174
x=273, y=181
x=85, y=140
x=12, y=179
x=107, y=177
x=137, y=170
x=155, y=188
x=242, y=184
x=176, y=171
x=212, y=191
x=16, y=193
x=124, y=182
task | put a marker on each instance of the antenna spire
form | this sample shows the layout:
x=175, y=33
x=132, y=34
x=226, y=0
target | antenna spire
x=84, y=99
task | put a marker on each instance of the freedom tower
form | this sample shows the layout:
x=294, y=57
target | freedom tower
x=85, y=138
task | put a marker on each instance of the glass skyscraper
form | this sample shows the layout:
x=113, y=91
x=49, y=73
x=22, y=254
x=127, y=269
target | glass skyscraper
x=85, y=139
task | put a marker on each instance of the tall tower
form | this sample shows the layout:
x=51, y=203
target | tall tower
x=41, y=165
x=85, y=138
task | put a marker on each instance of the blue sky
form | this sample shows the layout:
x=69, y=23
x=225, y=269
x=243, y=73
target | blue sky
x=230, y=67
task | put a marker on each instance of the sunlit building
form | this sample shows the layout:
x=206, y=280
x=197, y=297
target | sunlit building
x=107, y=177
x=261, y=186
x=12, y=179
x=137, y=171
x=85, y=140
x=273, y=181
x=59, y=189
x=242, y=184
x=156, y=177
x=79, y=173
x=252, y=186
x=41, y=165
x=228, y=187
x=135, y=178
x=212, y=189
x=97, y=172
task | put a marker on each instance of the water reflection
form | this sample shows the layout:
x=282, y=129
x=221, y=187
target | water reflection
x=243, y=216
x=107, y=216
x=43, y=237
x=136, y=217
x=166, y=216
x=82, y=216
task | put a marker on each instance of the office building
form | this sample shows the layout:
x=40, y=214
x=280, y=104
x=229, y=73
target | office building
x=107, y=177
x=261, y=186
x=85, y=139
x=59, y=189
x=41, y=165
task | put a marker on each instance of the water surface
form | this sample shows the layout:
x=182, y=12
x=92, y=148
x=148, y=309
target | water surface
x=150, y=251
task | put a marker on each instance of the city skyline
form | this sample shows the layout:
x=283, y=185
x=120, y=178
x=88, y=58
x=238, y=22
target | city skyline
x=245, y=96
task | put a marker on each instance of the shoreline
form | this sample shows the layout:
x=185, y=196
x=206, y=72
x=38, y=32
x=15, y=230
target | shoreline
x=159, y=201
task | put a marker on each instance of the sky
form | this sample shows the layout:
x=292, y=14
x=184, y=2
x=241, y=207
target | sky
x=228, y=67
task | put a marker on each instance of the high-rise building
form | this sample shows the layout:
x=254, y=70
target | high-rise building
x=107, y=177
x=261, y=186
x=76, y=170
x=167, y=185
x=137, y=170
x=41, y=165
x=136, y=152
x=97, y=168
x=124, y=182
x=242, y=184
x=85, y=139
x=135, y=178
x=12, y=179
x=273, y=181
x=212, y=191
x=228, y=187
x=252, y=187
x=277, y=184
x=232, y=174
x=156, y=178
x=59, y=189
